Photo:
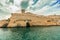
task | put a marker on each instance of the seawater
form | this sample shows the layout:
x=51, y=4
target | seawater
x=32, y=33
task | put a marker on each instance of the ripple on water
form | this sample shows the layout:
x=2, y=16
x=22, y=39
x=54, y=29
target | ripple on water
x=33, y=33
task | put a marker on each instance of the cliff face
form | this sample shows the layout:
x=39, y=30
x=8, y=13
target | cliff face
x=3, y=23
x=21, y=19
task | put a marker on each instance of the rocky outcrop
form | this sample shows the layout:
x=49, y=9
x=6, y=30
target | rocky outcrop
x=21, y=19
x=3, y=23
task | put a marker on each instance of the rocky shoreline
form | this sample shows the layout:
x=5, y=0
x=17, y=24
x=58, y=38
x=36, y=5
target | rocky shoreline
x=30, y=26
x=27, y=19
x=5, y=23
x=9, y=23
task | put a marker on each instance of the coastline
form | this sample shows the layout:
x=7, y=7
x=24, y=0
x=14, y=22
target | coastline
x=27, y=19
x=32, y=26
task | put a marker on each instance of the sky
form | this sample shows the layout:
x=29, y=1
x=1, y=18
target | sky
x=39, y=7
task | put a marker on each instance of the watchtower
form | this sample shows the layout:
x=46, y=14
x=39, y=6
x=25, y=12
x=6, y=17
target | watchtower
x=23, y=11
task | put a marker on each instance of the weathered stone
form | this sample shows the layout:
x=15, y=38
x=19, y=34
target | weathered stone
x=3, y=23
x=21, y=19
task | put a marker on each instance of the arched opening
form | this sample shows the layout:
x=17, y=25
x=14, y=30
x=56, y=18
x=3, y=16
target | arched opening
x=27, y=24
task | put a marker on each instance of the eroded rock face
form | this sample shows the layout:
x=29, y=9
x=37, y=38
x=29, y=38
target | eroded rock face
x=16, y=24
x=20, y=20
x=3, y=23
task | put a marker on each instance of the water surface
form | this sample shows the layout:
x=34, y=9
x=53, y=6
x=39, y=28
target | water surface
x=33, y=33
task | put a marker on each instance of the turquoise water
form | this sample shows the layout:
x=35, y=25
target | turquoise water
x=33, y=33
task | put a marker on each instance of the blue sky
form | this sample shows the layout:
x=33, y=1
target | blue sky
x=39, y=7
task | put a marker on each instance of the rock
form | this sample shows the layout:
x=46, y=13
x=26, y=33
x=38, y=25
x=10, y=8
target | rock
x=21, y=19
x=3, y=23
x=16, y=24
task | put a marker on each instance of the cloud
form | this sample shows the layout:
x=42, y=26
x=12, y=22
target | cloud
x=24, y=4
x=40, y=7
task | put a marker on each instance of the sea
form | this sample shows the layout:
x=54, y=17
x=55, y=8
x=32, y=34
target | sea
x=30, y=33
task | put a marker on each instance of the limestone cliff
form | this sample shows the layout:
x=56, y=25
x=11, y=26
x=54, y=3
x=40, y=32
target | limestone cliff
x=3, y=23
x=21, y=19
